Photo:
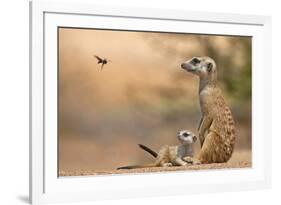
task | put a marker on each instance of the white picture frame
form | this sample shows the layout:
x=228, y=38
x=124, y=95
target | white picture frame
x=46, y=187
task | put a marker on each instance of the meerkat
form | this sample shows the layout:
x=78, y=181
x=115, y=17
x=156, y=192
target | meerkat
x=216, y=127
x=170, y=155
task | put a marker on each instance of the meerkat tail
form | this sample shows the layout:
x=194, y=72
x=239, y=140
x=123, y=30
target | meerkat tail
x=137, y=166
x=147, y=149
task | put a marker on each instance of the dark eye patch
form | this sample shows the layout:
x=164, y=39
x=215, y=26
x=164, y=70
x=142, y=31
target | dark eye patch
x=185, y=134
x=195, y=61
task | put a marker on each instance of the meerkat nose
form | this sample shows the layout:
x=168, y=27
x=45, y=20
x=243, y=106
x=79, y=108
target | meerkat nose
x=182, y=65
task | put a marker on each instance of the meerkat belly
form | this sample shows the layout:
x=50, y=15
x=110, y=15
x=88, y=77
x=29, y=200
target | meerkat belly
x=208, y=99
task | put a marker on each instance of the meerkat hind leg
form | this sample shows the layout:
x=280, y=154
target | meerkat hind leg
x=210, y=152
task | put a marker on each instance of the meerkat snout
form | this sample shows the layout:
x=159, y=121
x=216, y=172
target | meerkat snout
x=190, y=65
x=186, y=66
x=183, y=65
x=186, y=137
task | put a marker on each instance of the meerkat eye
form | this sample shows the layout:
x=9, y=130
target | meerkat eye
x=209, y=67
x=185, y=134
x=195, y=61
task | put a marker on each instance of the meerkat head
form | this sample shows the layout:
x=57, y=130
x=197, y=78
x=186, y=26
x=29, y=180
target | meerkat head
x=186, y=137
x=204, y=67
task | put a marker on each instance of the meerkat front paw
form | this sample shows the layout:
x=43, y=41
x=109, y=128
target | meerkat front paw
x=167, y=165
x=191, y=160
x=188, y=159
x=196, y=162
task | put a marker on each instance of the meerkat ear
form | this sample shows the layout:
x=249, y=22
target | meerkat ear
x=209, y=67
x=194, y=138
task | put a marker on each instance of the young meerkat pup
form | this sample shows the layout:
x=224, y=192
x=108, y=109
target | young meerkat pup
x=170, y=155
x=216, y=127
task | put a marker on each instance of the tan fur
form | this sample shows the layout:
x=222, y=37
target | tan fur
x=171, y=155
x=168, y=156
x=216, y=128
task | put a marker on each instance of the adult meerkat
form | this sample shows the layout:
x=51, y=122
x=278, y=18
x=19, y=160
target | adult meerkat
x=170, y=155
x=216, y=127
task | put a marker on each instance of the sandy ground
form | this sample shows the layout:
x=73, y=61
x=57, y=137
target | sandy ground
x=241, y=159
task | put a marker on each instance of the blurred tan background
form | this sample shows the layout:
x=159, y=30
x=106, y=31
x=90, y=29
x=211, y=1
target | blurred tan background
x=142, y=95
